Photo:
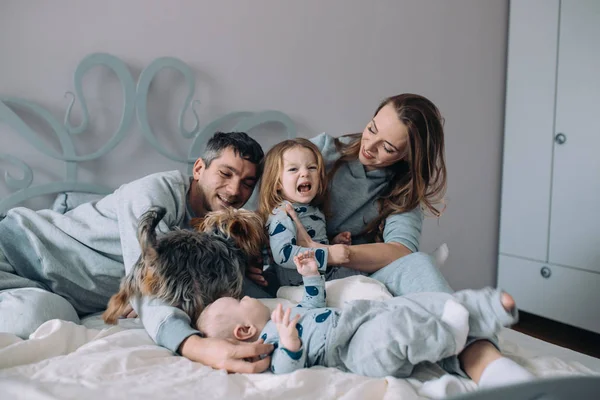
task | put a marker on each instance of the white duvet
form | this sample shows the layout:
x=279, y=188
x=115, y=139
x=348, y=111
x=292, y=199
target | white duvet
x=62, y=360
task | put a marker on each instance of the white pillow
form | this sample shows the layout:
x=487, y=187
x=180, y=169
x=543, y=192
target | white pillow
x=339, y=291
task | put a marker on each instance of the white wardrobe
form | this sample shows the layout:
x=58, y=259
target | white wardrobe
x=549, y=250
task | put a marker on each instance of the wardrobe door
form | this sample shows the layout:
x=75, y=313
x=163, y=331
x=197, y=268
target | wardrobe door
x=575, y=202
x=528, y=128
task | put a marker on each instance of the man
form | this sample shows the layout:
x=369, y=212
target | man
x=56, y=265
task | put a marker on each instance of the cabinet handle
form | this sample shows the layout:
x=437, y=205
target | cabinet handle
x=546, y=272
x=560, y=138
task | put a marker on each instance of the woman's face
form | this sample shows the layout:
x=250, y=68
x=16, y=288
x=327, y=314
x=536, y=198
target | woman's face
x=384, y=141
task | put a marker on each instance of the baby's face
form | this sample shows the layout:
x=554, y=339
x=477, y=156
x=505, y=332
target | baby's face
x=250, y=310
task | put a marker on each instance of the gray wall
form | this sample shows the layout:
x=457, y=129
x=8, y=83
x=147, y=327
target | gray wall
x=325, y=63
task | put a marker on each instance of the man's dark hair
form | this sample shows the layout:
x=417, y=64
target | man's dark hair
x=241, y=144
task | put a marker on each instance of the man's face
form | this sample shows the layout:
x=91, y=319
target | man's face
x=227, y=182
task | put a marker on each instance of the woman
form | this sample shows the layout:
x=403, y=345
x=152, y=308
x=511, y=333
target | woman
x=381, y=183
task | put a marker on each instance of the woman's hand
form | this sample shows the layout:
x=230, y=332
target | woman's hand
x=339, y=254
x=302, y=237
x=229, y=355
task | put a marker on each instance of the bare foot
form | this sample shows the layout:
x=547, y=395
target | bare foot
x=507, y=301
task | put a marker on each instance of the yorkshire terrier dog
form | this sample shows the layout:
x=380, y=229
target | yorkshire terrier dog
x=191, y=269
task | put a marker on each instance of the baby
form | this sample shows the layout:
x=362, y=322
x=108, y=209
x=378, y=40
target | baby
x=371, y=338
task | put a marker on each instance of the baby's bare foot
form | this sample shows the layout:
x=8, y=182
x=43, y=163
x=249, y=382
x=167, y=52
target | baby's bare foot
x=507, y=301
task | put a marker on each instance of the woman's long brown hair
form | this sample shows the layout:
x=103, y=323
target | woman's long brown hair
x=420, y=178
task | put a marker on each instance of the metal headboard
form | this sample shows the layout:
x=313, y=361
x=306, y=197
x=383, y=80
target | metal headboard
x=135, y=99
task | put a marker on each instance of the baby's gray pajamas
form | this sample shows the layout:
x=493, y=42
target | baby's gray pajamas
x=386, y=338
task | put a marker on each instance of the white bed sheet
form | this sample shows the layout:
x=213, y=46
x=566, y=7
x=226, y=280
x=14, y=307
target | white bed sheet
x=62, y=360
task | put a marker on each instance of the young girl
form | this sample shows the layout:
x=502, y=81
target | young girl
x=294, y=174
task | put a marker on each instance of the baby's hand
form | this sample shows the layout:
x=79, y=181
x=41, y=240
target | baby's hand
x=342, y=238
x=306, y=264
x=339, y=254
x=288, y=334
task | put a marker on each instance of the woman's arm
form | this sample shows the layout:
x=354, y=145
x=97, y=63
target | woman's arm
x=371, y=257
x=401, y=236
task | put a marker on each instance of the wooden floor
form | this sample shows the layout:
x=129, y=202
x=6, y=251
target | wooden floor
x=580, y=340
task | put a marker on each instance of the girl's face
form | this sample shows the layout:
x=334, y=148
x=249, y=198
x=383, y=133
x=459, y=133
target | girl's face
x=299, y=176
x=384, y=141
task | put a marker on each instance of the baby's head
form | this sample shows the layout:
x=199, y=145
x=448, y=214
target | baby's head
x=229, y=318
x=294, y=171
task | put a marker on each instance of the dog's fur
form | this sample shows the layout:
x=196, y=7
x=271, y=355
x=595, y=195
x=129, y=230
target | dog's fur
x=191, y=269
x=245, y=228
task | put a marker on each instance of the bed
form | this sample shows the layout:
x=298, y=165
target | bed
x=94, y=361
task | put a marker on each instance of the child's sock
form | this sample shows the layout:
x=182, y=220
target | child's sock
x=502, y=372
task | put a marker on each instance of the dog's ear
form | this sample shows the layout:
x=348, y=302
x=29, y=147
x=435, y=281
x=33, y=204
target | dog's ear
x=249, y=235
x=237, y=228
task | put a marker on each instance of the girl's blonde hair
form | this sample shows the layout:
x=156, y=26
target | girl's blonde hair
x=420, y=178
x=270, y=195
